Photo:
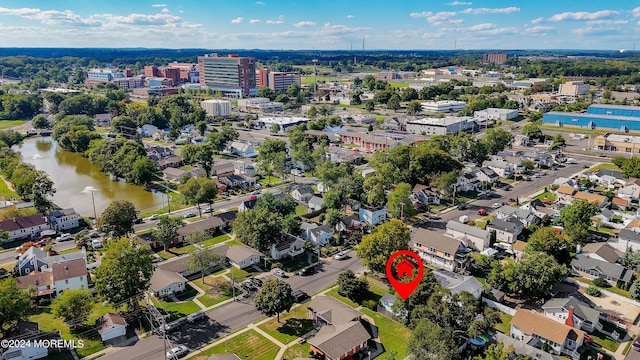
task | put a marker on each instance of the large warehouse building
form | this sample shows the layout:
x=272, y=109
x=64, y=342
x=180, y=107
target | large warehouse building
x=614, y=117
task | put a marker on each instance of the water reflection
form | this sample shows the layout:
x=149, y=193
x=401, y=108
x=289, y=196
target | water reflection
x=71, y=173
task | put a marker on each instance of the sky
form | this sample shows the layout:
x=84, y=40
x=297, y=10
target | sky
x=322, y=25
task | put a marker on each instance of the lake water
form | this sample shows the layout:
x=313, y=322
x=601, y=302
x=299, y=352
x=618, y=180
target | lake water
x=71, y=173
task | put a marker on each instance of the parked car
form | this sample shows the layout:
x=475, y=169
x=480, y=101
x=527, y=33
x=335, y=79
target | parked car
x=94, y=234
x=255, y=192
x=299, y=296
x=497, y=205
x=257, y=282
x=189, y=215
x=341, y=255
x=154, y=217
x=178, y=351
x=64, y=237
x=306, y=271
x=280, y=273
x=462, y=206
x=482, y=212
x=97, y=244
x=198, y=315
x=207, y=210
x=636, y=344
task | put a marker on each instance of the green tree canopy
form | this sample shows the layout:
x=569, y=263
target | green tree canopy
x=399, y=201
x=199, y=191
x=576, y=218
x=258, y=228
x=118, y=217
x=351, y=287
x=550, y=241
x=376, y=248
x=74, y=306
x=166, y=230
x=429, y=341
x=274, y=297
x=15, y=303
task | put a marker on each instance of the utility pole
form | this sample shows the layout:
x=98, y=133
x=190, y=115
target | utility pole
x=315, y=82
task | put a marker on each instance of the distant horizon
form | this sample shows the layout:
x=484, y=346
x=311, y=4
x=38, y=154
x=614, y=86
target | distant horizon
x=331, y=24
x=317, y=50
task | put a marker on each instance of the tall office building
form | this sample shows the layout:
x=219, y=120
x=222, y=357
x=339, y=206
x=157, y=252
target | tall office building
x=232, y=75
x=496, y=58
x=279, y=81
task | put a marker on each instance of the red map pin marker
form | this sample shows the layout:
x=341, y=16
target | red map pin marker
x=401, y=268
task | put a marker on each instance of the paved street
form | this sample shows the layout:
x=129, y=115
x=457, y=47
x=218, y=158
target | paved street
x=10, y=256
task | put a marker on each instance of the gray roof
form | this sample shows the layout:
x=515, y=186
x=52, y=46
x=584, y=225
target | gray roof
x=287, y=240
x=580, y=309
x=436, y=240
x=174, y=172
x=304, y=189
x=511, y=225
x=489, y=172
x=337, y=340
x=500, y=164
x=457, y=283
x=334, y=311
x=630, y=235
x=320, y=229
x=315, y=200
x=467, y=229
x=604, y=250
x=239, y=253
x=163, y=278
x=615, y=271
x=212, y=222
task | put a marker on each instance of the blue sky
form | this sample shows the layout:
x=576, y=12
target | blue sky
x=327, y=24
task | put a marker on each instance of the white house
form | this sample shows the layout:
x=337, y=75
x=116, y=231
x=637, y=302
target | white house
x=506, y=230
x=319, y=235
x=470, y=235
x=457, y=283
x=503, y=168
x=111, y=326
x=425, y=194
x=487, y=175
x=530, y=327
x=243, y=256
x=438, y=250
x=468, y=182
x=288, y=246
x=25, y=227
x=64, y=219
x=166, y=283
x=316, y=203
x=243, y=149
x=601, y=251
x=372, y=216
x=573, y=312
x=70, y=275
x=302, y=193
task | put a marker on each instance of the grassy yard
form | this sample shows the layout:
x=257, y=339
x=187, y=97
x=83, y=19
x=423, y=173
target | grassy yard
x=292, y=325
x=5, y=191
x=605, y=166
x=301, y=210
x=176, y=310
x=234, y=242
x=6, y=124
x=505, y=325
x=248, y=345
x=612, y=289
x=215, y=240
x=238, y=275
x=270, y=180
x=605, y=341
x=297, y=351
x=217, y=289
x=546, y=196
x=393, y=335
x=8, y=266
x=376, y=291
x=175, y=251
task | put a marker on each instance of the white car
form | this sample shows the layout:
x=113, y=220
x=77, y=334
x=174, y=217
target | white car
x=154, y=217
x=341, y=255
x=279, y=273
x=496, y=205
x=64, y=237
x=177, y=352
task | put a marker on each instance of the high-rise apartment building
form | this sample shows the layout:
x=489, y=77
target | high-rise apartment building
x=496, y=58
x=279, y=81
x=232, y=75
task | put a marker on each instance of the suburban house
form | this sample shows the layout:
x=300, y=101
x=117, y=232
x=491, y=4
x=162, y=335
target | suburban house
x=173, y=161
x=288, y=246
x=222, y=168
x=457, y=283
x=592, y=268
x=471, y=236
x=573, y=312
x=602, y=201
x=64, y=219
x=533, y=328
x=620, y=203
x=248, y=204
x=236, y=181
x=316, y=203
x=181, y=266
x=632, y=187
x=319, y=235
x=425, y=194
x=506, y=230
x=525, y=215
x=349, y=223
x=27, y=331
x=25, y=227
x=563, y=181
x=227, y=217
x=486, y=175
x=37, y=260
x=371, y=215
x=174, y=174
x=629, y=239
x=601, y=251
x=242, y=149
x=342, y=333
x=111, y=326
x=159, y=152
x=468, y=182
x=565, y=193
x=438, y=250
x=302, y=193
x=56, y=279
x=518, y=249
x=503, y=168
x=166, y=283
x=243, y=256
x=147, y=130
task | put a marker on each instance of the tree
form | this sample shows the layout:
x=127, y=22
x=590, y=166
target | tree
x=370, y=106
x=41, y=189
x=198, y=191
x=280, y=205
x=399, y=201
x=10, y=137
x=118, y=217
x=275, y=128
x=532, y=131
x=429, y=341
x=351, y=287
x=499, y=352
x=74, y=306
x=375, y=249
x=549, y=241
x=166, y=230
x=576, y=218
x=414, y=108
x=496, y=139
x=124, y=125
x=143, y=171
x=394, y=102
x=258, y=228
x=274, y=297
x=40, y=122
x=124, y=272
x=374, y=189
x=15, y=303
x=271, y=157
x=528, y=164
x=202, y=259
x=634, y=290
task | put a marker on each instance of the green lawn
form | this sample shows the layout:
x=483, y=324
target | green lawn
x=48, y=322
x=505, y=325
x=175, y=251
x=297, y=351
x=301, y=210
x=393, y=335
x=292, y=325
x=628, y=346
x=217, y=290
x=248, y=345
x=177, y=203
x=238, y=275
x=6, y=124
x=176, y=310
x=234, y=242
x=605, y=341
x=5, y=191
x=612, y=289
x=214, y=240
x=605, y=166
x=8, y=266
x=376, y=291
x=546, y=196
x=270, y=180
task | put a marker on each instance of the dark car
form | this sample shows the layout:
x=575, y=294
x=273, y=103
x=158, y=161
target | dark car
x=306, y=271
x=462, y=206
x=138, y=221
x=257, y=282
x=299, y=296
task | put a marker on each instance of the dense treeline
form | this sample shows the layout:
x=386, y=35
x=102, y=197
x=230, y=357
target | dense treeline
x=19, y=106
x=30, y=184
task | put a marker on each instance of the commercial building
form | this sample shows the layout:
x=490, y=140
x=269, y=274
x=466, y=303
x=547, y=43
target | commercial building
x=178, y=72
x=279, y=81
x=232, y=75
x=129, y=82
x=443, y=106
x=96, y=76
x=623, y=144
x=496, y=58
x=573, y=88
x=260, y=104
x=616, y=117
x=216, y=107
x=441, y=126
x=283, y=122
x=495, y=114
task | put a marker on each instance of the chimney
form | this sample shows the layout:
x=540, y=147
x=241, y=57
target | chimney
x=569, y=320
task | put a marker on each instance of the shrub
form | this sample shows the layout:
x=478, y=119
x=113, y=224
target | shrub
x=600, y=282
x=554, y=187
x=593, y=291
x=276, y=265
x=321, y=218
x=370, y=304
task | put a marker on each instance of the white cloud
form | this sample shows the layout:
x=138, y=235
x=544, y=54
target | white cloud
x=143, y=19
x=583, y=15
x=260, y=3
x=636, y=12
x=350, y=16
x=607, y=22
x=165, y=10
x=51, y=17
x=304, y=24
x=280, y=20
x=479, y=11
x=159, y=5
x=180, y=11
x=255, y=21
x=456, y=3
x=540, y=29
x=537, y=20
x=440, y=17
x=237, y=20
x=485, y=26
x=421, y=14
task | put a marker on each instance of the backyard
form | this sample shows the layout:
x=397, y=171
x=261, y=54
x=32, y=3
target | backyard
x=217, y=290
x=176, y=310
x=546, y=196
x=292, y=325
x=248, y=345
